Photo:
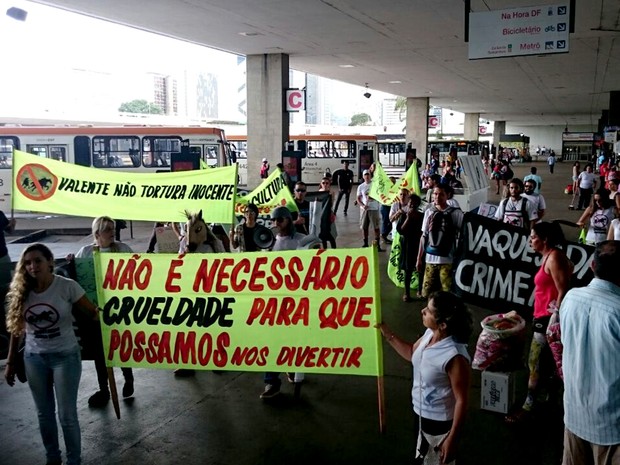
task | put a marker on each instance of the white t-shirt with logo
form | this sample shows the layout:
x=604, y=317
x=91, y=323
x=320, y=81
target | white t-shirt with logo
x=49, y=323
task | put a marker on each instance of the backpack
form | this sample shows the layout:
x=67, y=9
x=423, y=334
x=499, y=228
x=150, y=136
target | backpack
x=441, y=233
x=522, y=213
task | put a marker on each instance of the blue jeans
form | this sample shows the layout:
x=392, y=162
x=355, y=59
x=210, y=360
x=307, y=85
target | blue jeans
x=60, y=372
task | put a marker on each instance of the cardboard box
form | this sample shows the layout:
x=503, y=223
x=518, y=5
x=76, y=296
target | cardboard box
x=497, y=391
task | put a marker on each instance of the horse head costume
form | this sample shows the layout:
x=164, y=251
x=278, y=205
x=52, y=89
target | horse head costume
x=199, y=237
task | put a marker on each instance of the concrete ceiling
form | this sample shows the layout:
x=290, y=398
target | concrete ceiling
x=417, y=42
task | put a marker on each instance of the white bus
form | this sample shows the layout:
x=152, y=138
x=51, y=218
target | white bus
x=127, y=148
x=324, y=152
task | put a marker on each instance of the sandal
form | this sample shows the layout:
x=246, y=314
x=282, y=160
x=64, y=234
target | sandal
x=518, y=417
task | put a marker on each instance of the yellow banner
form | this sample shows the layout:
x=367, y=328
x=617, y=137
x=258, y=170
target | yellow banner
x=385, y=192
x=271, y=193
x=51, y=186
x=309, y=311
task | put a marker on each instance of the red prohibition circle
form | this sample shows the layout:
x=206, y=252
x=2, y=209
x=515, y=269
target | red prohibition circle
x=36, y=182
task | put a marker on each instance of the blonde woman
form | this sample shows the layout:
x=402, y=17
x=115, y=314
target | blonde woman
x=104, y=232
x=39, y=304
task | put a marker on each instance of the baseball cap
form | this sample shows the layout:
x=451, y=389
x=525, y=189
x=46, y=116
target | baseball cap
x=365, y=172
x=281, y=212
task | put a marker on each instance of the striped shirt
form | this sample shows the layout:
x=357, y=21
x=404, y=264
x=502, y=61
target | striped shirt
x=590, y=321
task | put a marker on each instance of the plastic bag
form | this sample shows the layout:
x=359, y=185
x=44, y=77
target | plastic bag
x=555, y=343
x=500, y=344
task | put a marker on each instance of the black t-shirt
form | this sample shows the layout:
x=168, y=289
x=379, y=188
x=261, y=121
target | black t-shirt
x=304, y=211
x=344, y=179
x=248, y=239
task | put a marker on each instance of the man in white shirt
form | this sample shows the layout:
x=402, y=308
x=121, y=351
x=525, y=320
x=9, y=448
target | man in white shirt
x=369, y=210
x=536, y=199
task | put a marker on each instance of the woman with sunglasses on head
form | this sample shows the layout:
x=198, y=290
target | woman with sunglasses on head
x=242, y=235
x=441, y=373
x=40, y=304
x=103, y=229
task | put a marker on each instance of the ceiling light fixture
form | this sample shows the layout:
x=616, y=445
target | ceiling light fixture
x=346, y=66
x=396, y=82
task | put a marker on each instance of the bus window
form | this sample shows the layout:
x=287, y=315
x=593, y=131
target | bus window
x=116, y=152
x=344, y=149
x=211, y=155
x=7, y=144
x=156, y=150
x=58, y=153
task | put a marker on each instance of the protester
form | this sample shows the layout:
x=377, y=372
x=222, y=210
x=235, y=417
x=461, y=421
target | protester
x=242, y=235
x=103, y=229
x=386, y=224
x=597, y=217
x=440, y=228
x=369, y=210
x=264, y=169
x=551, y=284
x=516, y=209
x=343, y=178
x=400, y=207
x=534, y=176
x=537, y=200
x=587, y=183
x=40, y=304
x=590, y=322
x=287, y=239
x=301, y=219
x=441, y=374
x=614, y=194
x=409, y=226
x=327, y=228
x=432, y=182
x=8, y=226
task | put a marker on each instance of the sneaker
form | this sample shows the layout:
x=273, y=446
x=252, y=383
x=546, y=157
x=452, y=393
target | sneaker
x=99, y=399
x=270, y=391
x=365, y=244
x=128, y=388
x=290, y=377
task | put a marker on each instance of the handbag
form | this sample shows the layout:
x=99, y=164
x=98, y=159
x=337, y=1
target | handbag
x=18, y=362
x=554, y=339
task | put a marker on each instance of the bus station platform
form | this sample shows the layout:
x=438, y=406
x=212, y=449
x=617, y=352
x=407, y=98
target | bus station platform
x=217, y=418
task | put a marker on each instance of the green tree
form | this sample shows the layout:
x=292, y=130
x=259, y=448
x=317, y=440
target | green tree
x=360, y=119
x=401, y=107
x=141, y=106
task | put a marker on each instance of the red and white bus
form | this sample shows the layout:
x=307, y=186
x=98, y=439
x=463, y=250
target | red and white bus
x=126, y=148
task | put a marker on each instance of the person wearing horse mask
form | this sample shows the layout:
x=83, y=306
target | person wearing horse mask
x=198, y=239
x=287, y=239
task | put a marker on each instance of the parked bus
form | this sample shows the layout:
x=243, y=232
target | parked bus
x=127, y=148
x=323, y=153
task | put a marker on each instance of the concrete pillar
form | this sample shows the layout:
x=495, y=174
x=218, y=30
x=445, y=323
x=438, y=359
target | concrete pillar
x=499, y=131
x=417, y=125
x=268, y=121
x=471, y=126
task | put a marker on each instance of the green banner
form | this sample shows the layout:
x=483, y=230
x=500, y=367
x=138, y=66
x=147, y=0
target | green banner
x=51, y=186
x=386, y=193
x=271, y=193
x=309, y=311
x=393, y=270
